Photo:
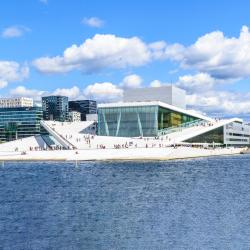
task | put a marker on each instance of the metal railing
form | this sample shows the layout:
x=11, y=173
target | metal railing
x=181, y=126
x=61, y=139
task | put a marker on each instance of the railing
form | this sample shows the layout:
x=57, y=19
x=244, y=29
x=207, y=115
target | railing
x=65, y=143
x=180, y=127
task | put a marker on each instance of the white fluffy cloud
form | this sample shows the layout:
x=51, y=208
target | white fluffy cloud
x=105, y=91
x=131, y=81
x=202, y=95
x=72, y=93
x=12, y=72
x=221, y=103
x=24, y=92
x=215, y=54
x=196, y=83
x=156, y=83
x=36, y=94
x=14, y=31
x=102, y=92
x=93, y=22
x=95, y=54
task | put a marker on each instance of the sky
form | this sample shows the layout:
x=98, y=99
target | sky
x=97, y=49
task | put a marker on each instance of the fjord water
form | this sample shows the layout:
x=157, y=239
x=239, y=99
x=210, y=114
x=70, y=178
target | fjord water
x=187, y=204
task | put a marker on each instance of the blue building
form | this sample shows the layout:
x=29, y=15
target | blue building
x=85, y=107
x=19, y=122
x=55, y=108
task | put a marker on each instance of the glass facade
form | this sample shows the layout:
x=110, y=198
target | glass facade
x=16, y=123
x=138, y=121
x=214, y=136
x=55, y=108
x=84, y=107
x=169, y=118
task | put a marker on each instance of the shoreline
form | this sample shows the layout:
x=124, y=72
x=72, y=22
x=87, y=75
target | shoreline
x=140, y=154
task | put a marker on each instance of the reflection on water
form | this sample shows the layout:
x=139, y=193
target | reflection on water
x=189, y=204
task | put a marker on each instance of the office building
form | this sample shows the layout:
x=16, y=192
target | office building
x=16, y=102
x=84, y=107
x=19, y=122
x=55, y=108
x=167, y=94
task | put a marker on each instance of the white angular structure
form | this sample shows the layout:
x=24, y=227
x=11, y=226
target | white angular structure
x=168, y=94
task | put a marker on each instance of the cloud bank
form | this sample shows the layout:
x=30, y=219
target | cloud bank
x=11, y=71
x=96, y=54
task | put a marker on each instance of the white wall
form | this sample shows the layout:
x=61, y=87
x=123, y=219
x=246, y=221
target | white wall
x=167, y=94
x=237, y=134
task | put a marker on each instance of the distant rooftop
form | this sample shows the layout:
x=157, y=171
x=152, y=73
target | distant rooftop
x=16, y=102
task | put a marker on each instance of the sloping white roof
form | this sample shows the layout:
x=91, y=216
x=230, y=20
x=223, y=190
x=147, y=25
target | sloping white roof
x=23, y=144
x=155, y=103
x=191, y=132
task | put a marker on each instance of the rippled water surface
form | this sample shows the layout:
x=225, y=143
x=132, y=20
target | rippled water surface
x=188, y=204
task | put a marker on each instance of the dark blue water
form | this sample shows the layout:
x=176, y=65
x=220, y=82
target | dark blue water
x=189, y=204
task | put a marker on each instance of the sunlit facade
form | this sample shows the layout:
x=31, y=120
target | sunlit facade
x=140, y=118
x=16, y=102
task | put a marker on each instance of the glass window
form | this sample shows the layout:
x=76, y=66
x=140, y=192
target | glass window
x=215, y=136
x=138, y=121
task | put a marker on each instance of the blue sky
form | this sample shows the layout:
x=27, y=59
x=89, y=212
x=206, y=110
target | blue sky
x=125, y=44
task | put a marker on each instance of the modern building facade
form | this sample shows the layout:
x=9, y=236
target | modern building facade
x=168, y=94
x=84, y=107
x=55, y=108
x=233, y=133
x=158, y=119
x=135, y=119
x=236, y=133
x=16, y=102
x=20, y=122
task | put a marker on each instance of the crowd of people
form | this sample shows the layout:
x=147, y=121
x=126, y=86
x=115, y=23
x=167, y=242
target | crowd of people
x=89, y=139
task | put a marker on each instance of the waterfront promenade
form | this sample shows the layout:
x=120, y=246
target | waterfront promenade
x=168, y=153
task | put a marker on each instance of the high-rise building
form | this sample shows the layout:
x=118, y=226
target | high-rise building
x=84, y=107
x=16, y=102
x=19, y=122
x=55, y=108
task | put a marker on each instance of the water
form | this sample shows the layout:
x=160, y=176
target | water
x=188, y=204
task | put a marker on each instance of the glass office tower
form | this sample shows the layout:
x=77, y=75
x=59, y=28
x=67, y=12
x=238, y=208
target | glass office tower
x=55, y=108
x=21, y=122
x=134, y=121
x=84, y=107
